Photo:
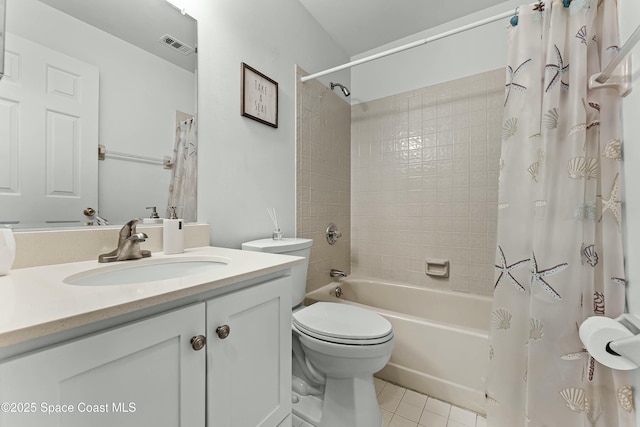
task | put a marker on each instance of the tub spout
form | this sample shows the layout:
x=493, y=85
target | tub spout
x=337, y=273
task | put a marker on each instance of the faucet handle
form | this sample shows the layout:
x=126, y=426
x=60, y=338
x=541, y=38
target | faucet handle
x=129, y=228
x=132, y=225
x=333, y=234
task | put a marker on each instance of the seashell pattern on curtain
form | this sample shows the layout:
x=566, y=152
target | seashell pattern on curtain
x=559, y=258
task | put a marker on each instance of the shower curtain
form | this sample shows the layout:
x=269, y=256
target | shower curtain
x=184, y=176
x=559, y=257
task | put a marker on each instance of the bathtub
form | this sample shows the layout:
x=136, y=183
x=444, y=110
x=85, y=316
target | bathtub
x=441, y=346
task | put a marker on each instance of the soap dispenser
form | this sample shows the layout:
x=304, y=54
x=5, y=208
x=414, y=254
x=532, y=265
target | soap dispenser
x=173, y=233
x=154, y=218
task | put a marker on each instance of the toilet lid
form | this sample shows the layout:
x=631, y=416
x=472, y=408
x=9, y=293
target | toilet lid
x=342, y=323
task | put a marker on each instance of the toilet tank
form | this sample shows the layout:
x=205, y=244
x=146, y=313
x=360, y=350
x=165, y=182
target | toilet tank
x=290, y=246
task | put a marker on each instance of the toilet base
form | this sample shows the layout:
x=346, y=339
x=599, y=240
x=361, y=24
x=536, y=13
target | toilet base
x=307, y=408
x=350, y=402
x=347, y=402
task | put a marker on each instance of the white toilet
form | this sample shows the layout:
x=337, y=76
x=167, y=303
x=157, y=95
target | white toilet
x=336, y=350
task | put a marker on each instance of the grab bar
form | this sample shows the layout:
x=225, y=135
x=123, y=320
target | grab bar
x=621, y=80
x=166, y=162
x=622, y=53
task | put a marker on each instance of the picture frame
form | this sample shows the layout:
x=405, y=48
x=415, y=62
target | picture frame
x=259, y=96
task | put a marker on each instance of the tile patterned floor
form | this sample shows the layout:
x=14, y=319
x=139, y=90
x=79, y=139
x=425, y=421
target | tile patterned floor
x=402, y=407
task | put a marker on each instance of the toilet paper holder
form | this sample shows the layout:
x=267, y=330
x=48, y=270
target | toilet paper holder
x=626, y=347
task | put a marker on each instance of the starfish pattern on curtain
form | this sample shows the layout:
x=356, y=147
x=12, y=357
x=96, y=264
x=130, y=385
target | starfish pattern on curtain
x=512, y=75
x=560, y=216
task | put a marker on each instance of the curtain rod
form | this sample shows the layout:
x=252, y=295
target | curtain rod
x=410, y=45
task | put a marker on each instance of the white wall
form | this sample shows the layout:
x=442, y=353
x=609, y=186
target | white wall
x=461, y=55
x=245, y=166
x=139, y=95
x=629, y=20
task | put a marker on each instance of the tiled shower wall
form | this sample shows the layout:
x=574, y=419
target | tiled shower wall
x=323, y=156
x=424, y=183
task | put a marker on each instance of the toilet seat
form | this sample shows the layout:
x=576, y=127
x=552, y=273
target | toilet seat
x=342, y=324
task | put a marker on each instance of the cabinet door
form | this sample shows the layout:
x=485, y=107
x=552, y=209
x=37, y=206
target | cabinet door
x=142, y=374
x=249, y=371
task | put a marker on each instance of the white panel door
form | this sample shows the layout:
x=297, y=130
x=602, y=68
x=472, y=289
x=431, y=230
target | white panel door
x=143, y=374
x=249, y=371
x=48, y=134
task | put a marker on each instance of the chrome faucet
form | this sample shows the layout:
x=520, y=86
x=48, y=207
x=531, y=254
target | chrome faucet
x=337, y=273
x=128, y=245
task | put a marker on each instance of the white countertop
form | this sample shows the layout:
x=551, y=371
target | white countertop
x=35, y=301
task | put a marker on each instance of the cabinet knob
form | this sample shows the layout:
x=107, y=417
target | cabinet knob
x=223, y=331
x=198, y=342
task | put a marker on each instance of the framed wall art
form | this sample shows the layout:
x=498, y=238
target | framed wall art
x=259, y=96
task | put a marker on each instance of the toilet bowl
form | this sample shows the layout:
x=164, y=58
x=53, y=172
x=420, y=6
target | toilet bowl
x=336, y=350
x=347, y=345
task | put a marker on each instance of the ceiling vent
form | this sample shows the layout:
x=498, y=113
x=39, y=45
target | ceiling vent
x=174, y=43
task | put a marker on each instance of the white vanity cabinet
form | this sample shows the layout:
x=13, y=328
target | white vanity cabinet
x=145, y=373
x=149, y=372
x=249, y=356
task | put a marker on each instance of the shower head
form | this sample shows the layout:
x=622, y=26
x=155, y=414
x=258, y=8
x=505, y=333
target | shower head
x=342, y=88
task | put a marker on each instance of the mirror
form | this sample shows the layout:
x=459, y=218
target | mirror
x=84, y=73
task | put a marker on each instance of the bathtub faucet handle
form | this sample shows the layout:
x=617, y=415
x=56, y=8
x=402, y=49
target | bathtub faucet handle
x=333, y=234
x=337, y=273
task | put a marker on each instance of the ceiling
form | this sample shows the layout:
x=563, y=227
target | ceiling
x=125, y=19
x=356, y=25
x=361, y=25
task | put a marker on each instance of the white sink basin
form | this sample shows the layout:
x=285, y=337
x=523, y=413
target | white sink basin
x=148, y=270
